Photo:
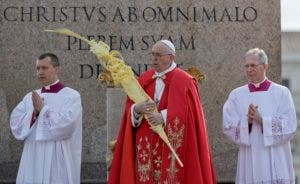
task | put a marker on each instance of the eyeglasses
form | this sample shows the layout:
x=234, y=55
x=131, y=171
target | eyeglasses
x=252, y=65
x=155, y=54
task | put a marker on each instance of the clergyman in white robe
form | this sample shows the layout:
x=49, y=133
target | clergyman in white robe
x=264, y=150
x=53, y=141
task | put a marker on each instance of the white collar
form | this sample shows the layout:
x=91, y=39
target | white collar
x=48, y=86
x=258, y=84
x=173, y=65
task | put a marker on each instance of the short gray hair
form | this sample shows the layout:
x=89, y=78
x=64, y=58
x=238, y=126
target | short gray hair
x=259, y=53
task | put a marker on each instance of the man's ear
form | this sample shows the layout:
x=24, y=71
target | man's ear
x=172, y=57
x=57, y=69
x=266, y=66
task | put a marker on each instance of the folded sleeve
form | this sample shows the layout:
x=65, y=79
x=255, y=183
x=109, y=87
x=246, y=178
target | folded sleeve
x=136, y=118
x=235, y=125
x=21, y=118
x=281, y=126
x=59, y=123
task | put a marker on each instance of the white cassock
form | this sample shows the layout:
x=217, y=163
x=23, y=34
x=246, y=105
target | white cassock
x=159, y=89
x=52, y=148
x=264, y=154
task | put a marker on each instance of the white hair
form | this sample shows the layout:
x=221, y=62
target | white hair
x=259, y=53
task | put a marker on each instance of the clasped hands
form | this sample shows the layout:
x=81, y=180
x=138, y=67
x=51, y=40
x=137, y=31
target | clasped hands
x=148, y=108
x=37, y=102
x=253, y=114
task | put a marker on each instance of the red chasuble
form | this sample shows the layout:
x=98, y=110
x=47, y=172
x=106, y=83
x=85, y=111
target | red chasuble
x=141, y=157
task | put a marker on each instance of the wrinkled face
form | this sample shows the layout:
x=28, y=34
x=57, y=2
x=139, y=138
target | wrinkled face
x=160, y=57
x=46, y=72
x=255, y=71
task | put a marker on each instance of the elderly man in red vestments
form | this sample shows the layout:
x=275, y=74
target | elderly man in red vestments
x=140, y=156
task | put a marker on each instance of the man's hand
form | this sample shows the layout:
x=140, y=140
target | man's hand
x=145, y=107
x=155, y=118
x=250, y=120
x=253, y=114
x=37, y=102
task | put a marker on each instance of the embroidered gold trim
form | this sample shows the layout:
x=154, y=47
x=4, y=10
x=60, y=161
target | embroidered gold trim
x=175, y=135
x=143, y=160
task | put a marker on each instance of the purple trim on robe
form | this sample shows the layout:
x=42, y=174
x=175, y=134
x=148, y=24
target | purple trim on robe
x=264, y=86
x=54, y=88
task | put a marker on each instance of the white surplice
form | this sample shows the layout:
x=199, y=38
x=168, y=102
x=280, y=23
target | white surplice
x=264, y=154
x=52, y=146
